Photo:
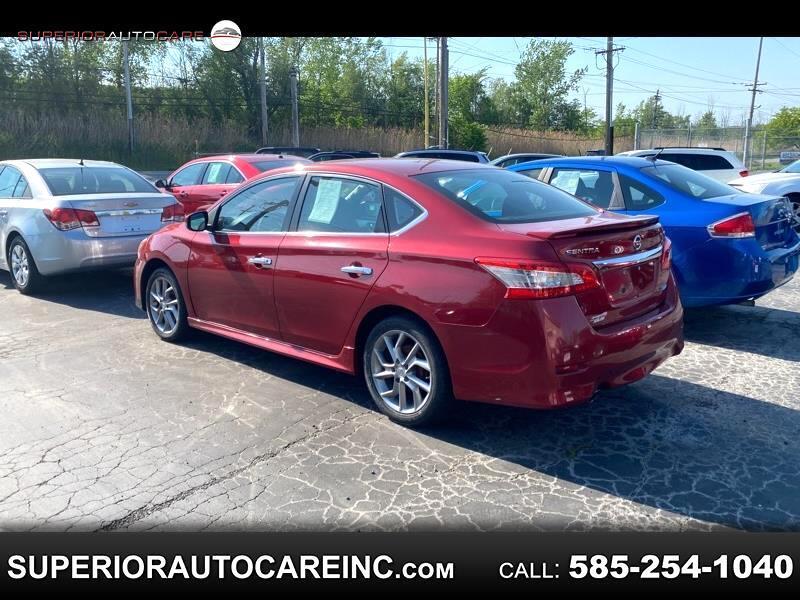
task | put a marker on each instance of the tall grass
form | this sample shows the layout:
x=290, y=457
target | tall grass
x=163, y=142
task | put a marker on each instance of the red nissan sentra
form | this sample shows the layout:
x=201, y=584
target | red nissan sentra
x=434, y=278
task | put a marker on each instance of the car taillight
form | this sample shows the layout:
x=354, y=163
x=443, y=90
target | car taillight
x=666, y=254
x=737, y=226
x=533, y=279
x=744, y=173
x=71, y=218
x=173, y=212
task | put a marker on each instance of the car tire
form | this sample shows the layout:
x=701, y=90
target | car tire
x=24, y=274
x=401, y=358
x=166, y=309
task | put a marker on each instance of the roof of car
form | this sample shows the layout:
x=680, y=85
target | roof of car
x=392, y=166
x=51, y=163
x=251, y=158
x=678, y=150
x=636, y=162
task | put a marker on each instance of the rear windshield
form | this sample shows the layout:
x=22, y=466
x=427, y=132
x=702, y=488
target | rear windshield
x=268, y=165
x=506, y=197
x=689, y=182
x=65, y=181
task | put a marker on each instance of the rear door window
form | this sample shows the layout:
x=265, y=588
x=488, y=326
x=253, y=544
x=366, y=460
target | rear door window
x=216, y=173
x=342, y=205
x=9, y=177
x=592, y=185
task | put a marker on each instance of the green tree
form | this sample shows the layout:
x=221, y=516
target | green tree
x=785, y=123
x=543, y=85
x=707, y=120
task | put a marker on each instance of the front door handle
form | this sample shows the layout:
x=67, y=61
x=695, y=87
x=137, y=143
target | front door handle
x=260, y=261
x=356, y=270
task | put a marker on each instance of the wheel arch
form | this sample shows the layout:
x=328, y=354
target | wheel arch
x=150, y=266
x=377, y=314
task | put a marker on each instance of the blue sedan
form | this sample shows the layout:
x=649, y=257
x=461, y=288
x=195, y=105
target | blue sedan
x=728, y=246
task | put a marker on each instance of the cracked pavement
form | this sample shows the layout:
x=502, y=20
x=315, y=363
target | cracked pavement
x=107, y=428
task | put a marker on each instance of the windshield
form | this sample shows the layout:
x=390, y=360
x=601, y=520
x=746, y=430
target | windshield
x=792, y=168
x=689, y=182
x=65, y=181
x=267, y=165
x=506, y=197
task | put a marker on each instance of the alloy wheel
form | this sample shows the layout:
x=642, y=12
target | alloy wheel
x=20, y=267
x=401, y=372
x=164, y=305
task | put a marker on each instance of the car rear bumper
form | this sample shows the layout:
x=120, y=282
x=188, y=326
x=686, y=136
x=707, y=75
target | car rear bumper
x=733, y=271
x=545, y=354
x=65, y=251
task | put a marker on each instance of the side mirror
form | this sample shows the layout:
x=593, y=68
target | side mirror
x=197, y=221
x=161, y=183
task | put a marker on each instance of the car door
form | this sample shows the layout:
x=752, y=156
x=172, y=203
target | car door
x=328, y=262
x=219, y=179
x=596, y=185
x=231, y=268
x=185, y=186
x=14, y=190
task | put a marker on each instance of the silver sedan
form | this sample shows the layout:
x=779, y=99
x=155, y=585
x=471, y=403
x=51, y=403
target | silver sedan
x=59, y=215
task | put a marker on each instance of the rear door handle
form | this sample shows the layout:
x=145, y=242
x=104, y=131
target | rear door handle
x=260, y=261
x=356, y=270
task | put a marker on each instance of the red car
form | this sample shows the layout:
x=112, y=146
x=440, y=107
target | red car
x=434, y=278
x=200, y=183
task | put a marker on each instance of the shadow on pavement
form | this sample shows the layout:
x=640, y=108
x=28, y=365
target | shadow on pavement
x=710, y=455
x=772, y=332
x=108, y=292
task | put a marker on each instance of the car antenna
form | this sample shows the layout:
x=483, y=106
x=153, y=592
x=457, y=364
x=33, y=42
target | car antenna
x=80, y=162
x=655, y=156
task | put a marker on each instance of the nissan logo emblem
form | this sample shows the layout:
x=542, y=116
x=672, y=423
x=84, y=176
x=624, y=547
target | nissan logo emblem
x=637, y=242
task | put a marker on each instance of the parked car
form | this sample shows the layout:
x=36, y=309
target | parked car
x=516, y=294
x=788, y=156
x=513, y=159
x=728, y=247
x=342, y=154
x=59, y=215
x=302, y=151
x=718, y=163
x=201, y=182
x=785, y=182
x=462, y=155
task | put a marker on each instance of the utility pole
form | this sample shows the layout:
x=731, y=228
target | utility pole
x=425, y=74
x=748, y=132
x=128, y=99
x=655, y=108
x=263, y=85
x=609, y=56
x=295, y=112
x=443, y=81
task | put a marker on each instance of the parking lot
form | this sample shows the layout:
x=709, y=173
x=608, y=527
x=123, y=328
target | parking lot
x=104, y=427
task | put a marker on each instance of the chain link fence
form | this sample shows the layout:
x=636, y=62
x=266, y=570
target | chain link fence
x=765, y=152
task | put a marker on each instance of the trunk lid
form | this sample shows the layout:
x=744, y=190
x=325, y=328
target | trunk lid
x=626, y=253
x=772, y=216
x=122, y=214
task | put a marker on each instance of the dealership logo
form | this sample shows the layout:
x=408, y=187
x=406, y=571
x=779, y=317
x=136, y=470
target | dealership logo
x=226, y=36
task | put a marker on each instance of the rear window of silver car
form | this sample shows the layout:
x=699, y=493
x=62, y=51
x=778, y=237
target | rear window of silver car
x=506, y=197
x=67, y=181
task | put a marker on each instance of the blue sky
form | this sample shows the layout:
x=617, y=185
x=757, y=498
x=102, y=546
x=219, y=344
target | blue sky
x=691, y=72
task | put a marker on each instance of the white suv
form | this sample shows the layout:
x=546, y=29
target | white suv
x=718, y=163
